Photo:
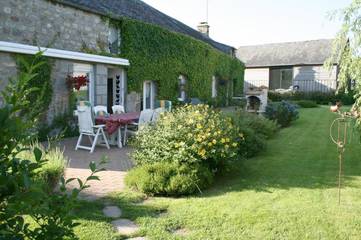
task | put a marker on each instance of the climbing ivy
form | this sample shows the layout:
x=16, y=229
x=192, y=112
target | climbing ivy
x=161, y=55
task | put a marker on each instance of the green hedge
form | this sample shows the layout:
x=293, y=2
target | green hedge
x=318, y=97
x=161, y=55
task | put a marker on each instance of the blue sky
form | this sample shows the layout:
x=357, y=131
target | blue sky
x=249, y=22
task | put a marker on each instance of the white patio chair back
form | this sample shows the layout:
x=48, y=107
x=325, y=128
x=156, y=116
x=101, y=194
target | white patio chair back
x=157, y=113
x=118, y=109
x=100, y=110
x=85, y=119
x=87, y=128
x=145, y=116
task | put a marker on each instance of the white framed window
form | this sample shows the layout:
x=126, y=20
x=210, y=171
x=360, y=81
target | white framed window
x=214, y=87
x=85, y=92
x=114, y=40
x=149, y=94
x=182, y=81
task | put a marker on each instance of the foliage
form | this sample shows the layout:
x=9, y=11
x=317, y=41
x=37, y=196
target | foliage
x=19, y=195
x=169, y=178
x=49, y=174
x=282, y=112
x=161, y=55
x=193, y=138
x=306, y=104
x=64, y=125
x=346, y=51
x=318, y=97
x=41, y=98
x=189, y=135
x=256, y=130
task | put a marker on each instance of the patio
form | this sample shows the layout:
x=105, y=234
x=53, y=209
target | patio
x=112, y=179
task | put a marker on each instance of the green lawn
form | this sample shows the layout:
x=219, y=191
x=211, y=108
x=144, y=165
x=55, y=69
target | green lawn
x=287, y=192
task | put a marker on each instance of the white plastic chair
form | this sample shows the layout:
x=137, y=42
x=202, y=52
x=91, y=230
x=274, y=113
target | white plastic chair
x=87, y=127
x=118, y=109
x=157, y=113
x=100, y=110
x=144, y=118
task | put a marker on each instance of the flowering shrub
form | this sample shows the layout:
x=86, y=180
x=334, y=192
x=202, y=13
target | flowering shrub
x=181, y=153
x=282, y=112
x=189, y=135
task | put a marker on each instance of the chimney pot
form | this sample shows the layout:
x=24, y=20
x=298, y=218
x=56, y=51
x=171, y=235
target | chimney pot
x=203, y=28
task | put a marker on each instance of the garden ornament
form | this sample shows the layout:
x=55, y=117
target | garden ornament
x=338, y=134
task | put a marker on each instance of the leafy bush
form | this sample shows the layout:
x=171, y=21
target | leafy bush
x=52, y=170
x=63, y=125
x=318, y=97
x=306, y=104
x=255, y=129
x=181, y=153
x=282, y=112
x=169, y=178
x=189, y=135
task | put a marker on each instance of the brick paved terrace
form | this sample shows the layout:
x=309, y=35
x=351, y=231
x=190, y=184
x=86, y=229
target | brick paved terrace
x=112, y=180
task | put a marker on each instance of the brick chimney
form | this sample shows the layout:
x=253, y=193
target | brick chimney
x=203, y=28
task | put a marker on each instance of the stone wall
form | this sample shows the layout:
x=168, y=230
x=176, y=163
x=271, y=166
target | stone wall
x=45, y=23
x=60, y=99
x=7, y=70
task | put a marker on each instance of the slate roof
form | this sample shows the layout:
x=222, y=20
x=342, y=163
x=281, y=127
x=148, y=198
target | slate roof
x=139, y=10
x=312, y=52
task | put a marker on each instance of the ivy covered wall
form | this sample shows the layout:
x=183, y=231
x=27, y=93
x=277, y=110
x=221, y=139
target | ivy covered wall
x=160, y=55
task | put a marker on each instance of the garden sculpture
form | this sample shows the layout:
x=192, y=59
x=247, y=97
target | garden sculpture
x=338, y=133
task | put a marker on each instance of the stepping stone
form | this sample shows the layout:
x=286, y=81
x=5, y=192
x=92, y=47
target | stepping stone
x=112, y=211
x=125, y=226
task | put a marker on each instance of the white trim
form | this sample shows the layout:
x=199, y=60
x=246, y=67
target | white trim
x=63, y=54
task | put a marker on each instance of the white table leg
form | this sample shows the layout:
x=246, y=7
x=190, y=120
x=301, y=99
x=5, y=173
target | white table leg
x=125, y=134
x=120, y=145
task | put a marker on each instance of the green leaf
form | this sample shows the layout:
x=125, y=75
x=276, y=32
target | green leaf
x=92, y=166
x=80, y=182
x=38, y=154
x=93, y=178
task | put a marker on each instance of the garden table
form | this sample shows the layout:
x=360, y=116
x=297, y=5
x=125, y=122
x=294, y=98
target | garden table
x=114, y=122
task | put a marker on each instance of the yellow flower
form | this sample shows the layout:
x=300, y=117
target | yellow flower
x=214, y=141
x=202, y=152
x=234, y=144
x=199, y=126
x=210, y=144
x=190, y=121
x=223, y=140
x=226, y=146
x=190, y=135
x=181, y=144
x=227, y=140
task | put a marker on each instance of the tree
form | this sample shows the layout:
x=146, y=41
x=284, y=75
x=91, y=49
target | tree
x=347, y=52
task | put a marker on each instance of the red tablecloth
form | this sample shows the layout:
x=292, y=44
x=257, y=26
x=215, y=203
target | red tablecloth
x=114, y=121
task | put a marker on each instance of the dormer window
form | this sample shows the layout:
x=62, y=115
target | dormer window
x=114, y=40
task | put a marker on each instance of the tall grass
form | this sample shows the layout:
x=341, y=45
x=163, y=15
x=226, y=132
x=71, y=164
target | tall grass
x=49, y=174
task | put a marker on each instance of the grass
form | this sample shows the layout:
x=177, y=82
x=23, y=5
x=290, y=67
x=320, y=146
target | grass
x=287, y=192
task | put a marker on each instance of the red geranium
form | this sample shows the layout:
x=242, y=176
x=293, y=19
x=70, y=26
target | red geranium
x=77, y=82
